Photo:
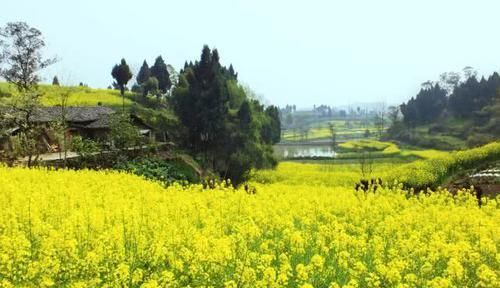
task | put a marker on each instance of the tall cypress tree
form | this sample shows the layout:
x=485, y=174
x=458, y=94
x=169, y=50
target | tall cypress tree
x=55, y=81
x=143, y=74
x=245, y=116
x=160, y=71
x=462, y=102
x=202, y=107
x=273, y=126
x=122, y=75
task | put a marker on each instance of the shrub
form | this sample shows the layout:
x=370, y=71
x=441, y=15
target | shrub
x=84, y=147
x=159, y=170
x=478, y=139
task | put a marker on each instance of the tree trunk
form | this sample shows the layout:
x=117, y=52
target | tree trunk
x=122, y=91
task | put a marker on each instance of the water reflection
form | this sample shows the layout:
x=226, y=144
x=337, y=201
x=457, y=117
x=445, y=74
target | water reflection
x=303, y=151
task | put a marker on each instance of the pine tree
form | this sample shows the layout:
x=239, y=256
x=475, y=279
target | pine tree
x=55, y=81
x=462, y=102
x=202, y=106
x=144, y=73
x=245, y=116
x=232, y=73
x=160, y=71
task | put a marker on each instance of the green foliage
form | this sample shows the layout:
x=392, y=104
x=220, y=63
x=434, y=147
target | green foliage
x=160, y=72
x=473, y=95
x=143, y=74
x=150, y=86
x=124, y=133
x=478, y=139
x=159, y=170
x=84, y=147
x=236, y=94
x=426, y=107
x=55, y=81
x=163, y=120
x=470, y=117
x=229, y=132
x=201, y=103
x=122, y=74
x=367, y=133
x=271, y=126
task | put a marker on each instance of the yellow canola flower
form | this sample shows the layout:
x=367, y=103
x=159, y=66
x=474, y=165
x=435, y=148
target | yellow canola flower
x=109, y=229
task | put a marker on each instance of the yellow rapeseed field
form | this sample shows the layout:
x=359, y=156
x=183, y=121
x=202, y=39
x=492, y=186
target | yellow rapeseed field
x=107, y=229
x=76, y=95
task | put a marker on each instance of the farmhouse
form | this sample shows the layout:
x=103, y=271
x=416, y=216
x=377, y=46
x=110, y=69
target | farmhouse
x=88, y=122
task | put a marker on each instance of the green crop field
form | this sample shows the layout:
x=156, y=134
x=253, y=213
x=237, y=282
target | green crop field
x=344, y=129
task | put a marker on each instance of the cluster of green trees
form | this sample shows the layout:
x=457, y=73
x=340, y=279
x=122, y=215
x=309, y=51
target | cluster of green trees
x=426, y=107
x=220, y=124
x=224, y=129
x=463, y=97
x=466, y=99
x=473, y=95
x=323, y=110
x=154, y=80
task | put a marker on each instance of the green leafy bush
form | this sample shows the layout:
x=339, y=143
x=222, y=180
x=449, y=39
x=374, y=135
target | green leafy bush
x=159, y=170
x=84, y=147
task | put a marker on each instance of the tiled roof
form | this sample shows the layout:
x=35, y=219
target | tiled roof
x=73, y=114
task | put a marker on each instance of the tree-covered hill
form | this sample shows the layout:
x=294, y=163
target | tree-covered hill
x=454, y=112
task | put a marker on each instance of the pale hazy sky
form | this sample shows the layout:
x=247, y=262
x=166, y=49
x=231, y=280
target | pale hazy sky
x=297, y=52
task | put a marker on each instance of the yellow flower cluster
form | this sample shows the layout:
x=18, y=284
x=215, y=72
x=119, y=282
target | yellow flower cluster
x=109, y=229
x=436, y=168
x=77, y=96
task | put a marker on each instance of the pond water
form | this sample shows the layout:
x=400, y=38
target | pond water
x=284, y=151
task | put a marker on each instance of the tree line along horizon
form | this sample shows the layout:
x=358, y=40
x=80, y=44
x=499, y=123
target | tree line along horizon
x=474, y=105
x=219, y=123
